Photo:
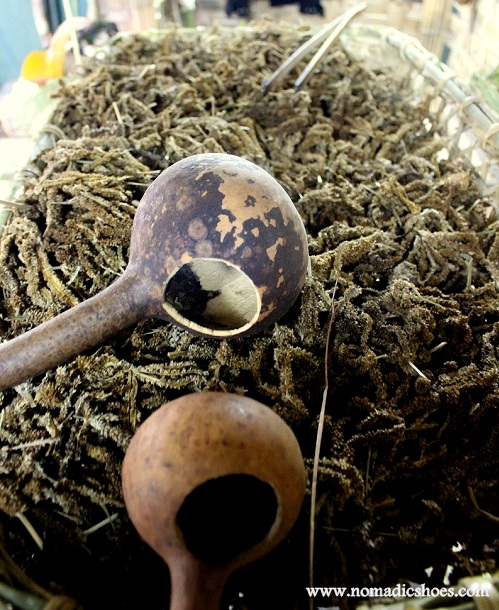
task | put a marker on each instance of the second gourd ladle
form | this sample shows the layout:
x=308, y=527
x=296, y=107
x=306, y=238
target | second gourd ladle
x=212, y=481
x=217, y=247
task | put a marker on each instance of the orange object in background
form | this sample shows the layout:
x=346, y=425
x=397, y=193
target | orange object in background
x=41, y=66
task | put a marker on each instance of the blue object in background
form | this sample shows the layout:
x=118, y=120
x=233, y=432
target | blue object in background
x=18, y=36
x=55, y=15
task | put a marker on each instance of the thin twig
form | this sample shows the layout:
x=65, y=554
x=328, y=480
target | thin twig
x=117, y=113
x=480, y=510
x=297, y=56
x=368, y=467
x=328, y=33
x=437, y=347
x=31, y=530
x=31, y=444
x=469, y=272
x=320, y=428
x=12, y=204
x=418, y=371
x=101, y=524
x=345, y=20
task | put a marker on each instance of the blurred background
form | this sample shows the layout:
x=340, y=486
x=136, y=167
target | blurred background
x=37, y=41
x=463, y=33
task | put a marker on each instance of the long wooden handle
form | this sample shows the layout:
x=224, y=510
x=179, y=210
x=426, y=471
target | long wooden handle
x=70, y=333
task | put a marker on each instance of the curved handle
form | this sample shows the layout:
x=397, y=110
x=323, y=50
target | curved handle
x=71, y=332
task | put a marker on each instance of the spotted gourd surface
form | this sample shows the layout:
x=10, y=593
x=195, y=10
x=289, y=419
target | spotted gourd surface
x=224, y=207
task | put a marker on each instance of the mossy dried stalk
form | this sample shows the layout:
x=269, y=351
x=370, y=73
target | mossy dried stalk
x=411, y=245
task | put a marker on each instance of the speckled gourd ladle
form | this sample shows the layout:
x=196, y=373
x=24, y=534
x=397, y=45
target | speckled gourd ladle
x=211, y=482
x=217, y=247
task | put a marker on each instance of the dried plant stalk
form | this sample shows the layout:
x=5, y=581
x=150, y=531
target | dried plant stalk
x=403, y=239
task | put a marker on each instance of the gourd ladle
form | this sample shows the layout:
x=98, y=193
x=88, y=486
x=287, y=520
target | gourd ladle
x=212, y=481
x=217, y=248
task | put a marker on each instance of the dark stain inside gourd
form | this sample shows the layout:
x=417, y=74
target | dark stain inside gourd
x=213, y=294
